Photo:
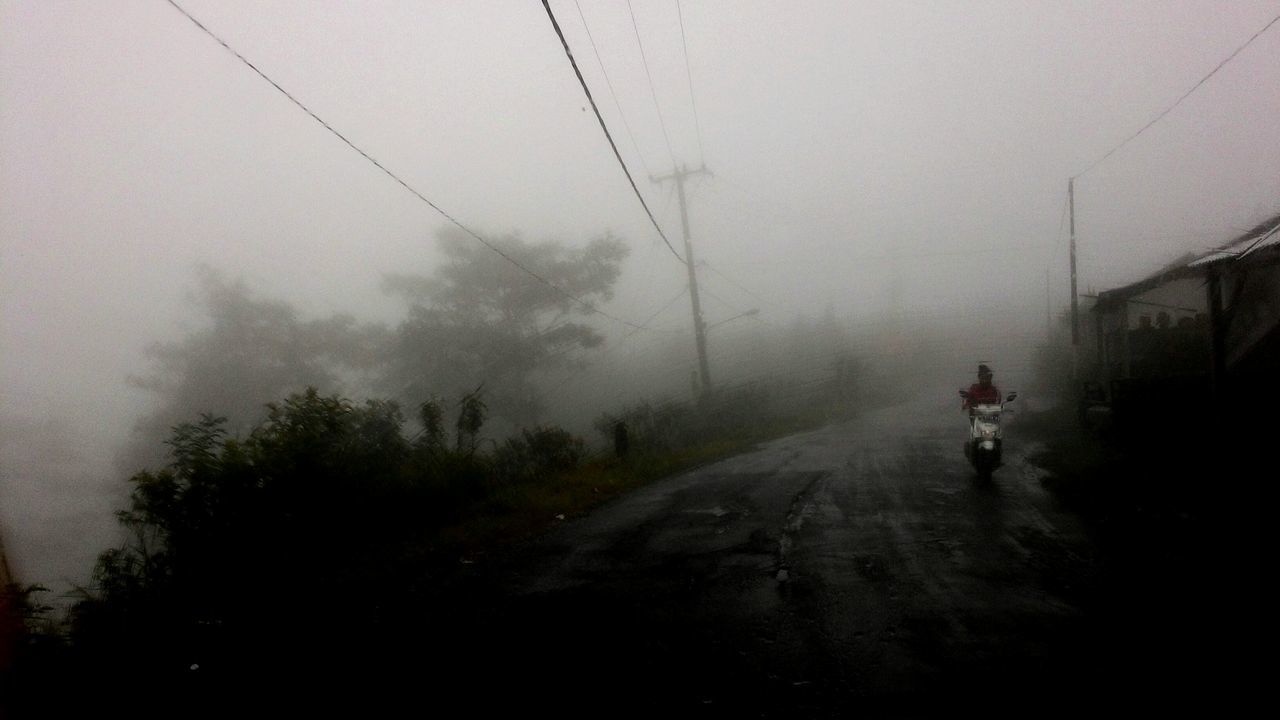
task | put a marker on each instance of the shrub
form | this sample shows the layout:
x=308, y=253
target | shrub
x=537, y=454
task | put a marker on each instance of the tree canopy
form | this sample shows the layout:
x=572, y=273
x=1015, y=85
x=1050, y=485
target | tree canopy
x=312, y=531
x=480, y=319
x=251, y=351
x=478, y=322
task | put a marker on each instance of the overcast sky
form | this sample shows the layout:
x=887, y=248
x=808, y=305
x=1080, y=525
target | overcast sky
x=851, y=142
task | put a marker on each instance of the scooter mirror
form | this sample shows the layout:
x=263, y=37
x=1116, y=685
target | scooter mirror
x=1012, y=397
x=964, y=394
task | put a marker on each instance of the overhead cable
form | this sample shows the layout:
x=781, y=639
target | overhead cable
x=1184, y=96
x=732, y=282
x=660, y=310
x=591, y=309
x=612, y=94
x=605, y=128
x=722, y=301
x=630, y=333
x=648, y=74
x=697, y=125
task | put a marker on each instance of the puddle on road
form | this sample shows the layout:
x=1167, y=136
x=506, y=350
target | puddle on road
x=716, y=511
x=1027, y=469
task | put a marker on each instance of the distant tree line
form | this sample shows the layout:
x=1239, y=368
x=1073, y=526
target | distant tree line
x=477, y=320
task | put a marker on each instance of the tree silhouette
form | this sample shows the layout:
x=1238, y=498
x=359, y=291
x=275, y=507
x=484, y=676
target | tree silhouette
x=480, y=319
x=251, y=351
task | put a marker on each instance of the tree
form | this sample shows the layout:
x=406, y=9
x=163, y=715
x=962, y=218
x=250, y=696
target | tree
x=229, y=528
x=480, y=319
x=252, y=351
x=309, y=546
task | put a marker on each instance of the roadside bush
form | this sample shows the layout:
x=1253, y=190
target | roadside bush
x=258, y=541
x=651, y=428
x=537, y=454
x=670, y=427
x=32, y=645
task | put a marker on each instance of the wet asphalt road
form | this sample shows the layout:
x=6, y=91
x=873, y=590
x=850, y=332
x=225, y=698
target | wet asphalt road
x=858, y=569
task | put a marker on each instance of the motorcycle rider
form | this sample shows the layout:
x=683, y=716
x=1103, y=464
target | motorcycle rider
x=982, y=392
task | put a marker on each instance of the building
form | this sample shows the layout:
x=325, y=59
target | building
x=1205, y=327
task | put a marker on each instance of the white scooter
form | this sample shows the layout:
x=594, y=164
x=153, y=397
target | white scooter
x=985, y=435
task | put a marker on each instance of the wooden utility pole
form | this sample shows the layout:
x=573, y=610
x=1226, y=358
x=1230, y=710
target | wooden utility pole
x=6, y=572
x=1075, y=300
x=11, y=627
x=1217, y=344
x=1048, y=310
x=699, y=327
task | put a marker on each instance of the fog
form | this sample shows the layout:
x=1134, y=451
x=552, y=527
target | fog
x=895, y=170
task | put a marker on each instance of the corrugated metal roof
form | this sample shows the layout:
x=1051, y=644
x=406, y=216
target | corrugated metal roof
x=1271, y=240
x=1211, y=258
x=1264, y=236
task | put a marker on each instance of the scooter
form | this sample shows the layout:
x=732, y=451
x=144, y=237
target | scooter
x=985, y=435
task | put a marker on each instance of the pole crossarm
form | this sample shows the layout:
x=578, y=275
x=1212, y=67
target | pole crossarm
x=680, y=174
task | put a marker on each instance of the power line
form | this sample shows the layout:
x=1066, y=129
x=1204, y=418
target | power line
x=624, y=339
x=1184, y=96
x=689, y=74
x=661, y=310
x=605, y=128
x=652, y=90
x=630, y=333
x=613, y=94
x=732, y=282
x=591, y=309
x=723, y=302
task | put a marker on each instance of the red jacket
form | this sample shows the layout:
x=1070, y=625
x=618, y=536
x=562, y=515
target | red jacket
x=978, y=395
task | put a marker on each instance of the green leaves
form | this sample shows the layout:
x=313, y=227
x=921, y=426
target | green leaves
x=195, y=446
x=481, y=319
x=323, y=488
x=251, y=351
x=471, y=416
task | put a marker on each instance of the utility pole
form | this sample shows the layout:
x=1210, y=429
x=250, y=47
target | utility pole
x=6, y=576
x=1048, y=311
x=1075, y=304
x=699, y=327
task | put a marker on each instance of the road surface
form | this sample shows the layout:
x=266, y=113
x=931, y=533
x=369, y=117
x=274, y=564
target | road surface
x=860, y=568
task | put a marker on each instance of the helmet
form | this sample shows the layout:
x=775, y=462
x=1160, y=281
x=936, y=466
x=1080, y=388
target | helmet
x=983, y=370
